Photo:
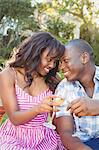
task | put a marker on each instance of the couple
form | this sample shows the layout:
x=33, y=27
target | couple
x=28, y=84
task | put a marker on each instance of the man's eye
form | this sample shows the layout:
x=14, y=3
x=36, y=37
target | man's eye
x=66, y=61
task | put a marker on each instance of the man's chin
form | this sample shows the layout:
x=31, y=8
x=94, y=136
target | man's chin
x=69, y=78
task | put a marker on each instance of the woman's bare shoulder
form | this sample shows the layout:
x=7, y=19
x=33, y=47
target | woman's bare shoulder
x=7, y=74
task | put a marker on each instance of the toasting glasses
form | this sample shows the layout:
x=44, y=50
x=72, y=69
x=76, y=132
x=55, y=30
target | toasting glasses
x=49, y=123
x=69, y=95
x=64, y=101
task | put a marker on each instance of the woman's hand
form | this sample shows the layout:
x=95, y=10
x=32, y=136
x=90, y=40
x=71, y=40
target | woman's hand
x=47, y=104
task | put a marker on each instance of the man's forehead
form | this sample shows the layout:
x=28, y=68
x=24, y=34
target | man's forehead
x=70, y=48
x=66, y=55
x=70, y=52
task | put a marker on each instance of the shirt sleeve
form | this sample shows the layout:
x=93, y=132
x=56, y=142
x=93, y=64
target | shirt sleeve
x=61, y=91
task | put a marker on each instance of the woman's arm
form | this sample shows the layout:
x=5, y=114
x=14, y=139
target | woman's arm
x=8, y=96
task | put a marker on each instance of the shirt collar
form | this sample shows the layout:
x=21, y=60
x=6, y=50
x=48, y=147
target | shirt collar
x=97, y=73
x=77, y=83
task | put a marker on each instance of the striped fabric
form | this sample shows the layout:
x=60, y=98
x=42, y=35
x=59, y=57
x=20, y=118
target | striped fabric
x=31, y=135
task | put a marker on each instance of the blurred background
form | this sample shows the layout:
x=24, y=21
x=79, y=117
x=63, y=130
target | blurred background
x=65, y=19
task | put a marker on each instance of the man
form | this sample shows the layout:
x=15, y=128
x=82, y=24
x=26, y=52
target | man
x=78, y=123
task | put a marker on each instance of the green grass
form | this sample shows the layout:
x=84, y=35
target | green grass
x=4, y=119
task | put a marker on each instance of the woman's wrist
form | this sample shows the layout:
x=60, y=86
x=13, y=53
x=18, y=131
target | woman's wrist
x=36, y=109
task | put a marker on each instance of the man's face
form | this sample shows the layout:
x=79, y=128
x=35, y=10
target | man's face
x=71, y=64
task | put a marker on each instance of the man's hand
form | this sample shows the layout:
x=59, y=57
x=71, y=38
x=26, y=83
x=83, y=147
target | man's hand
x=84, y=106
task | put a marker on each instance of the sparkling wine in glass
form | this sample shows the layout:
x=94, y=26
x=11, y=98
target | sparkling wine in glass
x=49, y=124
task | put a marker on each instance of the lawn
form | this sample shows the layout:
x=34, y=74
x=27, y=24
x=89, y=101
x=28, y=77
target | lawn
x=4, y=118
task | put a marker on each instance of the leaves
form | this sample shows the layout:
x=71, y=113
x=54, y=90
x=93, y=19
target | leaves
x=47, y=16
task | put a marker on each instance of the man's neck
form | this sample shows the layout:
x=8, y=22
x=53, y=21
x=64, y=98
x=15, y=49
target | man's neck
x=88, y=77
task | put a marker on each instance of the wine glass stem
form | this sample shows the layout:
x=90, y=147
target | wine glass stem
x=53, y=114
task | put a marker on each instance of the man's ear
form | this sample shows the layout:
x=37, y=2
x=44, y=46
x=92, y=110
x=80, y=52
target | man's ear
x=85, y=57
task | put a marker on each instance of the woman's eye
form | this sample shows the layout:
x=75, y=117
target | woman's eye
x=49, y=60
x=60, y=62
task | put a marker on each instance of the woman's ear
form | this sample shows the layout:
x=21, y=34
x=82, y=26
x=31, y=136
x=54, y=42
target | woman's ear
x=85, y=57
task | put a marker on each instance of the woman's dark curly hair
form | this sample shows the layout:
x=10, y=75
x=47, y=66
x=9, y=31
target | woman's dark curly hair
x=28, y=55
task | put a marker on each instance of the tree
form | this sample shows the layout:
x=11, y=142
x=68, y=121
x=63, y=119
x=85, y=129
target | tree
x=48, y=16
x=86, y=12
x=16, y=9
x=19, y=16
x=51, y=21
x=61, y=30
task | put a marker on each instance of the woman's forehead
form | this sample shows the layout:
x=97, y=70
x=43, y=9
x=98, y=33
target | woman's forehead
x=47, y=52
x=51, y=52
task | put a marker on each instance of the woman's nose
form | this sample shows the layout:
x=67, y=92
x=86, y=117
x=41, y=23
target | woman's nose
x=52, y=64
x=61, y=65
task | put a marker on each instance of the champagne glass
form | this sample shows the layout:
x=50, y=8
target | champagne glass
x=49, y=124
x=68, y=95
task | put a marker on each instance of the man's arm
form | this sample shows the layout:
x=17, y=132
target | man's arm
x=65, y=128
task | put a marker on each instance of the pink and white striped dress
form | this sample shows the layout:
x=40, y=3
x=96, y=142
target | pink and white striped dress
x=31, y=135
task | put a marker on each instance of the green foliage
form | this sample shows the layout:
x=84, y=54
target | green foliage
x=4, y=55
x=17, y=9
x=61, y=75
x=4, y=119
x=2, y=61
x=5, y=52
x=23, y=14
x=32, y=24
x=90, y=33
x=61, y=30
x=95, y=45
x=76, y=8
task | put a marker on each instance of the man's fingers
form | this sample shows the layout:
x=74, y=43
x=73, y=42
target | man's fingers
x=75, y=101
x=76, y=104
x=68, y=107
x=76, y=111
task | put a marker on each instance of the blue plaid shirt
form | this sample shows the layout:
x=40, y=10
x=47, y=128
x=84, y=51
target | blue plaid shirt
x=87, y=127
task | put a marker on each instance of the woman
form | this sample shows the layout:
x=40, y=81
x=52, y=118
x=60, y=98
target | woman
x=27, y=85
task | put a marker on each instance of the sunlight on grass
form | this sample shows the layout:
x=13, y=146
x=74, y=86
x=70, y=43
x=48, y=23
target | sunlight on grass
x=3, y=119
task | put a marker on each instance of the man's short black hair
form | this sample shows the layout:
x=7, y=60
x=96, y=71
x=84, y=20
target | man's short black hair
x=82, y=45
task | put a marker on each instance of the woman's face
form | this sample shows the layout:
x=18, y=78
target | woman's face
x=48, y=62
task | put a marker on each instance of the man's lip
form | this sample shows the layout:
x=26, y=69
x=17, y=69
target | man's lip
x=66, y=73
